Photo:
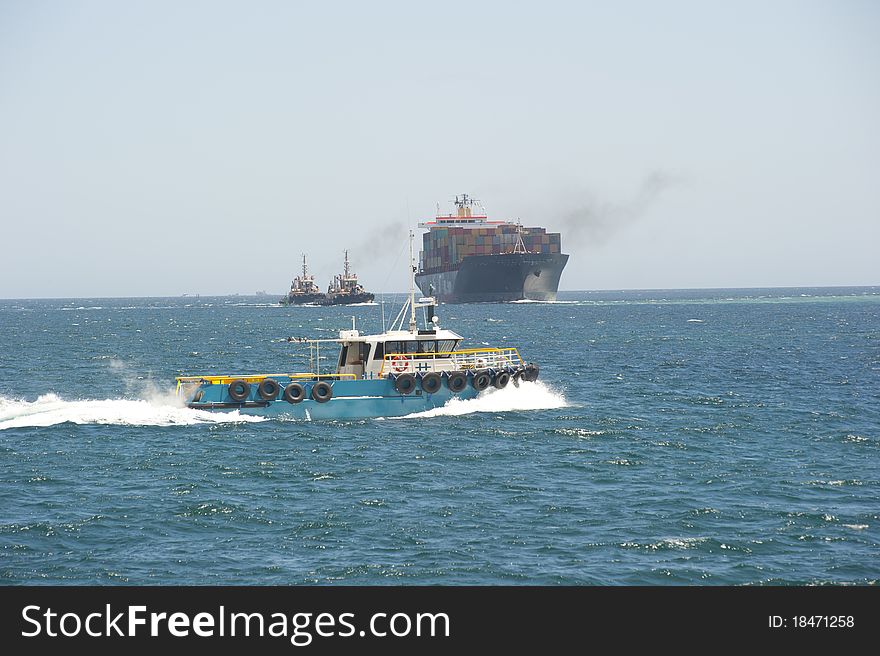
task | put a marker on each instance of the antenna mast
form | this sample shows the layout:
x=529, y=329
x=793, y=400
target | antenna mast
x=412, y=286
x=519, y=247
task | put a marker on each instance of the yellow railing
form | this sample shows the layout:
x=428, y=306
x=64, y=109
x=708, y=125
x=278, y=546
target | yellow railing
x=254, y=378
x=313, y=375
x=464, y=359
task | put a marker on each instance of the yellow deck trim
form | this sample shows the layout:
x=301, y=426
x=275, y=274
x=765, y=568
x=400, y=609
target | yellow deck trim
x=254, y=378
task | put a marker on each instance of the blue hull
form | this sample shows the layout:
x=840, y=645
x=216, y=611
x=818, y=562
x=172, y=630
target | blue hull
x=351, y=399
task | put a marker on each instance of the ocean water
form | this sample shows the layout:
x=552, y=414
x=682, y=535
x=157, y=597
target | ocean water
x=674, y=437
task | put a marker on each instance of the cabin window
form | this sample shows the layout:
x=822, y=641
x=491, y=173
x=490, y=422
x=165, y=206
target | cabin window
x=356, y=353
x=380, y=351
x=445, y=346
x=427, y=346
x=392, y=347
x=412, y=347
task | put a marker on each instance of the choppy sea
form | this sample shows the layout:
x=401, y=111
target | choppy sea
x=674, y=437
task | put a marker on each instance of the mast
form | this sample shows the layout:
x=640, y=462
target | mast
x=519, y=247
x=305, y=267
x=412, y=286
x=345, y=266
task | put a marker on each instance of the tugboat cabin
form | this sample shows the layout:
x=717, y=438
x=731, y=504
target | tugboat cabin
x=396, y=352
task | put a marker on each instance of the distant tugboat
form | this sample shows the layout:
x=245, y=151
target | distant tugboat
x=303, y=289
x=345, y=289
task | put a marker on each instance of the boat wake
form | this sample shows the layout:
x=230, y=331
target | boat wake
x=529, y=300
x=528, y=396
x=161, y=410
x=167, y=410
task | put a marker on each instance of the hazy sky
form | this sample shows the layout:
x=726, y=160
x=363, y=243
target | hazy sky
x=161, y=148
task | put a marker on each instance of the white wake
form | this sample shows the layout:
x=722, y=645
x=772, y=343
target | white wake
x=161, y=410
x=528, y=396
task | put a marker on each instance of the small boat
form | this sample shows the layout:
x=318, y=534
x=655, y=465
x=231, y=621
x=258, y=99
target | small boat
x=345, y=288
x=398, y=372
x=303, y=289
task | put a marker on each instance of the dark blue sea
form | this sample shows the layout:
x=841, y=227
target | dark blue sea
x=674, y=437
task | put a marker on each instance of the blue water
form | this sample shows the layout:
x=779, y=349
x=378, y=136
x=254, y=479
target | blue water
x=707, y=437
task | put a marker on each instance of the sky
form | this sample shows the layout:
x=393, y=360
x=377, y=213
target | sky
x=162, y=148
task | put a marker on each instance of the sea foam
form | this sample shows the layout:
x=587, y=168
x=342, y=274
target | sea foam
x=528, y=396
x=160, y=410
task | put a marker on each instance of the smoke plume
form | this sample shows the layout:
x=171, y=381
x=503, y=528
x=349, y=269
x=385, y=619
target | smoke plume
x=594, y=222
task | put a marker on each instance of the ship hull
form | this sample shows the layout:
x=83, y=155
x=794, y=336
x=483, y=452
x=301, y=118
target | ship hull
x=497, y=278
x=351, y=399
x=303, y=299
x=348, y=299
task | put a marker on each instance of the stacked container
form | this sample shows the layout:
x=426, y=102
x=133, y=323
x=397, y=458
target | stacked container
x=444, y=247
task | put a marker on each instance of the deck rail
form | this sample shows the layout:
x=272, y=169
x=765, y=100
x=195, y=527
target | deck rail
x=465, y=359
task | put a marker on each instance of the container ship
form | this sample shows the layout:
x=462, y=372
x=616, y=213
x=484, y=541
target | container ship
x=468, y=259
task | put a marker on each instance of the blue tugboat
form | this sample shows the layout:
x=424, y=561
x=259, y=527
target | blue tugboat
x=398, y=372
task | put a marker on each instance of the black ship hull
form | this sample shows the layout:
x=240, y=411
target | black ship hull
x=497, y=278
x=303, y=299
x=347, y=299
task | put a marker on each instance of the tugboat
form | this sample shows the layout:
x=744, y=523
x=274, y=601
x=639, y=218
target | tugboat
x=303, y=289
x=398, y=372
x=345, y=288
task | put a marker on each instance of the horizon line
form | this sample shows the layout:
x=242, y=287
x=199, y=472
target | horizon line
x=398, y=293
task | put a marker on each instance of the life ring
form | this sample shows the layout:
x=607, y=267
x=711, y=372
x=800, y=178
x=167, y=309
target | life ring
x=431, y=383
x=501, y=379
x=399, y=363
x=481, y=380
x=405, y=383
x=322, y=392
x=268, y=389
x=294, y=393
x=457, y=381
x=239, y=390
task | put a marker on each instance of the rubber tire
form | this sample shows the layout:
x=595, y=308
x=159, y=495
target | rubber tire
x=456, y=382
x=481, y=380
x=268, y=389
x=431, y=383
x=243, y=393
x=294, y=393
x=501, y=380
x=322, y=392
x=531, y=373
x=405, y=384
